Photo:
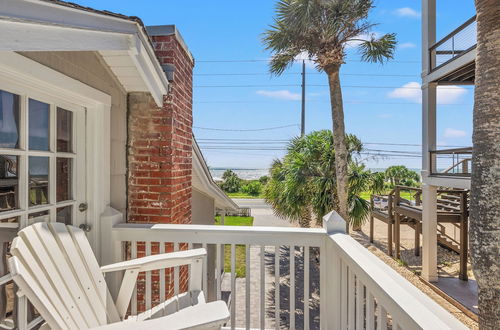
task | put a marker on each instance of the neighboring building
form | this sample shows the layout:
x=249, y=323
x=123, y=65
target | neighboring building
x=96, y=121
x=449, y=61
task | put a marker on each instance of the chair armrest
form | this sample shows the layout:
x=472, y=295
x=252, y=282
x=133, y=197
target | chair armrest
x=157, y=261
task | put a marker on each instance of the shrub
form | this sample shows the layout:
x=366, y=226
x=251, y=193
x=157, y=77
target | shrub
x=231, y=184
x=252, y=188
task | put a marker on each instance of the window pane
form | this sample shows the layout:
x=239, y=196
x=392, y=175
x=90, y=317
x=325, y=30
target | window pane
x=64, y=130
x=64, y=215
x=9, y=183
x=38, y=217
x=38, y=125
x=38, y=180
x=63, y=178
x=10, y=220
x=9, y=120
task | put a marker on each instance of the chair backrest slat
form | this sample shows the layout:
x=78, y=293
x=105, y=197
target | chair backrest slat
x=62, y=259
x=41, y=284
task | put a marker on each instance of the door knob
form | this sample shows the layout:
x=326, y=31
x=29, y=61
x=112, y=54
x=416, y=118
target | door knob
x=83, y=207
x=86, y=228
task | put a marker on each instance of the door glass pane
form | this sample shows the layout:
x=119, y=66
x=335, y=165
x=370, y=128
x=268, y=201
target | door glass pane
x=9, y=183
x=64, y=215
x=9, y=120
x=38, y=125
x=63, y=178
x=38, y=217
x=10, y=220
x=38, y=180
x=64, y=130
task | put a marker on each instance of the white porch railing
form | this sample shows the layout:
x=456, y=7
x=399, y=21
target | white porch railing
x=356, y=289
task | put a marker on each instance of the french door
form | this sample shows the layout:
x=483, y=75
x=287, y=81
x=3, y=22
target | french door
x=42, y=159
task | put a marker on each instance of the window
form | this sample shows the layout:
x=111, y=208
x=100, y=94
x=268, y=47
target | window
x=37, y=160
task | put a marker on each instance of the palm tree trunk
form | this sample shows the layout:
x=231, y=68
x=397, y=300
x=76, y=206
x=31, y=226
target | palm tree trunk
x=305, y=219
x=339, y=142
x=485, y=184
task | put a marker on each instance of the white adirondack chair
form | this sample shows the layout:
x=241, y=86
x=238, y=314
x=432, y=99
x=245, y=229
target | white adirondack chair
x=54, y=267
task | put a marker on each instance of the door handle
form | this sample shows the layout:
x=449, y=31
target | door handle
x=83, y=207
x=86, y=228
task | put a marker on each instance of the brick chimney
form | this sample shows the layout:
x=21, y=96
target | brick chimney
x=160, y=139
x=160, y=154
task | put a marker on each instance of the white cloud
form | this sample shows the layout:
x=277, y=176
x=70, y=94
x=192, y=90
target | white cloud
x=281, y=95
x=406, y=45
x=454, y=133
x=412, y=92
x=304, y=56
x=407, y=12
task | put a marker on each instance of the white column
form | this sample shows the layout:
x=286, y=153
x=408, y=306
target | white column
x=429, y=233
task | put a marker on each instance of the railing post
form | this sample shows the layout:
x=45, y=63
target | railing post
x=331, y=274
x=111, y=247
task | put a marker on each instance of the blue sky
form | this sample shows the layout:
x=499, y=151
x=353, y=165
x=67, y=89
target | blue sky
x=221, y=33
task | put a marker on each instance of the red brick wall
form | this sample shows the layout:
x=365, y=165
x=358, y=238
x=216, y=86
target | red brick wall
x=160, y=157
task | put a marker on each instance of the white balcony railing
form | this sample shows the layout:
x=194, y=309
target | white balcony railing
x=331, y=282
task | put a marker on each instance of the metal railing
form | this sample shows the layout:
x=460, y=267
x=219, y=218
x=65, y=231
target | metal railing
x=451, y=162
x=458, y=42
x=294, y=277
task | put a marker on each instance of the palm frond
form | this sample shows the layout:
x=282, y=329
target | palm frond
x=378, y=50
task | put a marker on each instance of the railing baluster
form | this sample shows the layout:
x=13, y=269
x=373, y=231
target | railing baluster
x=277, y=286
x=161, y=249
x=176, y=273
x=359, y=304
x=218, y=270
x=351, y=308
x=343, y=297
x=262, y=287
x=247, y=286
x=233, y=286
x=306, y=287
x=382, y=318
x=133, y=255
x=148, y=279
x=292, y=287
x=370, y=311
x=205, y=273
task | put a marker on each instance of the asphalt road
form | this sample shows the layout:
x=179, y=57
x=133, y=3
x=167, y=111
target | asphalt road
x=262, y=213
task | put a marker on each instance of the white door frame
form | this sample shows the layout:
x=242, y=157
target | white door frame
x=33, y=77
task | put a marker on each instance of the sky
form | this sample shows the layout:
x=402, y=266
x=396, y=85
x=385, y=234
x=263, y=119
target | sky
x=243, y=116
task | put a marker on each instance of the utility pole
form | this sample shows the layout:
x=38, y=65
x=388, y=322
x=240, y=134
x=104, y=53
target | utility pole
x=303, y=114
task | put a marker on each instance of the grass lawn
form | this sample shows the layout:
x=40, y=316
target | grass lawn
x=404, y=194
x=240, y=266
x=243, y=195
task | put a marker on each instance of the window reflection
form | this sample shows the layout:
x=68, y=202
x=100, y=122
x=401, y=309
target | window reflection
x=63, y=178
x=38, y=180
x=9, y=182
x=39, y=115
x=38, y=217
x=64, y=130
x=9, y=120
x=64, y=215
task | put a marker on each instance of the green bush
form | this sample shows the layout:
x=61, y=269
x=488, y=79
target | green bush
x=231, y=184
x=252, y=188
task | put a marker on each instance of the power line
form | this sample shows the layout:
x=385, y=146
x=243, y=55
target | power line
x=322, y=101
x=313, y=85
x=313, y=73
x=245, y=130
x=267, y=60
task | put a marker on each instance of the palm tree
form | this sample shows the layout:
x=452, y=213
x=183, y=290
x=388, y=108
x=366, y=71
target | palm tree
x=485, y=182
x=304, y=181
x=323, y=29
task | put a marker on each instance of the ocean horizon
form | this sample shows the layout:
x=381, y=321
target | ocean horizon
x=256, y=173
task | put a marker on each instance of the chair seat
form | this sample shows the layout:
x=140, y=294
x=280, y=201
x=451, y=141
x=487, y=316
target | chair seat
x=202, y=316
